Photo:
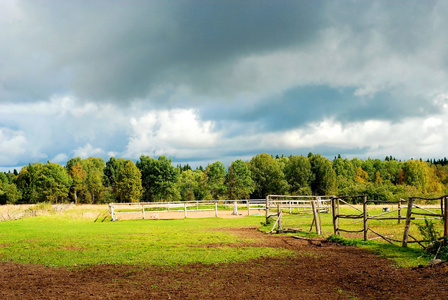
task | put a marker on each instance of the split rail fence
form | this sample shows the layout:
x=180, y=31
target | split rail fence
x=414, y=212
x=280, y=207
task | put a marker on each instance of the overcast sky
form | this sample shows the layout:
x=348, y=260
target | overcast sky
x=201, y=81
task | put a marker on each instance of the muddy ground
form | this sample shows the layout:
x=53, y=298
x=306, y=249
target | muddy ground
x=320, y=270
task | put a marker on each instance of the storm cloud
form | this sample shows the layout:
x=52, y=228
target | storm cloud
x=202, y=81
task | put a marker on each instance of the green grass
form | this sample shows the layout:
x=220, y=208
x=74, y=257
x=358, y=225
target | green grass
x=65, y=241
x=411, y=256
x=85, y=236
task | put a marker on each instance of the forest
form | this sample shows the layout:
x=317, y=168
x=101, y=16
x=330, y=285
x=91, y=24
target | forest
x=92, y=180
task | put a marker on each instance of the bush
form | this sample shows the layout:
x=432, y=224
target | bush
x=435, y=245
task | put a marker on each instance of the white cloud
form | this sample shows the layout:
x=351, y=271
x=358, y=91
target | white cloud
x=423, y=137
x=12, y=146
x=60, y=158
x=88, y=151
x=172, y=133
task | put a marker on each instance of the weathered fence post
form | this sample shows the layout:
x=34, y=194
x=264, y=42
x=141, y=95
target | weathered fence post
x=216, y=209
x=185, y=210
x=445, y=216
x=235, y=209
x=143, y=212
x=366, y=228
x=399, y=211
x=248, y=207
x=112, y=212
x=333, y=210
x=316, y=217
x=408, y=222
x=279, y=217
x=267, y=208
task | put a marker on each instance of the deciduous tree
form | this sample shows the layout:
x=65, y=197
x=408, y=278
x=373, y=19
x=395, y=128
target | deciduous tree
x=129, y=183
x=239, y=181
x=267, y=176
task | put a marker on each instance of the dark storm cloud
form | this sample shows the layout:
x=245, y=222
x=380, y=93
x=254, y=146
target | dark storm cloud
x=93, y=76
x=300, y=106
x=122, y=50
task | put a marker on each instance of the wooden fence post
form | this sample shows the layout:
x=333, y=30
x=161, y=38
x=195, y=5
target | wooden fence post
x=112, y=212
x=366, y=228
x=316, y=217
x=248, y=207
x=143, y=212
x=280, y=224
x=445, y=216
x=216, y=209
x=333, y=210
x=185, y=210
x=267, y=208
x=235, y=209
x=399, y=211
x=408, y=222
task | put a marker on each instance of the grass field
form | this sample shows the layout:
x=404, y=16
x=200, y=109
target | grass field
x=85, y=236
x=72, y=239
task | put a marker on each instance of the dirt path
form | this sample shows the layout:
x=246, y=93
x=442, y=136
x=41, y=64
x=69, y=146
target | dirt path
x=320, y=270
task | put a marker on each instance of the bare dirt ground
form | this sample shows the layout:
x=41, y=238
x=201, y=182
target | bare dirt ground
x=320, y=270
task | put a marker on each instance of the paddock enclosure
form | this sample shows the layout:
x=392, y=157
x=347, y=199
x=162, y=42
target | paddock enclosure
x=392, y=221
x=187, y=209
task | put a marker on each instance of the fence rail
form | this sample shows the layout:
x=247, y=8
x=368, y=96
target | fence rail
x=154, y=208
x=276, y=205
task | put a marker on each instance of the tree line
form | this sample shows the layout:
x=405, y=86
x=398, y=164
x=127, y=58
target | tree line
x=92, y=180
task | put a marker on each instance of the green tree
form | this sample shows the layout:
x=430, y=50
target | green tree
x=267, y=176
x=53, y=183
x=416, y=174
x=324, y=182
x=94, y=168
x=27, y=183
x=215, y=177
x=298, y=175
x=129, y=183
x=78, y=176
x=239, y=181
x=345, y=172
x=113, y=167
x=191, y=185
x=13, y=194
x=159, y=178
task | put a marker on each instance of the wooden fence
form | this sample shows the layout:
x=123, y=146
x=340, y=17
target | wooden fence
x=298, y=206
x=156, y=210
x=410, y=216
x=279, y=207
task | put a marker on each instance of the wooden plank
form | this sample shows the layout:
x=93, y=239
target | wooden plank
x=408, y=222
x=333, y=211
x=445, y=217
x=422, y=208
x=364, y=208
x=425, y=214
x=351, y=231
x=381, y=236
x=316, y=217
x=346, y=203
